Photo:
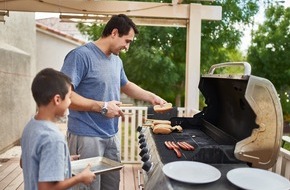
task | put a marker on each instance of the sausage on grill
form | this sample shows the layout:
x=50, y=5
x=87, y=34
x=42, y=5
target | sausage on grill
x=174, y=145
x=182, y=146
x=177, y=151
x=168, y=145
x=190, y=147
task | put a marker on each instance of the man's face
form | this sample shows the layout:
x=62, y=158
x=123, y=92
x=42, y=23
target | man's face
x=121, y=43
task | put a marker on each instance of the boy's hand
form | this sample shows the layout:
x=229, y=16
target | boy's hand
x=87, y=177
x=74, y=157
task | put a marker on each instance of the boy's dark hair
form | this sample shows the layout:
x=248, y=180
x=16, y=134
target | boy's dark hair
x=48, y=83
x=120, y=22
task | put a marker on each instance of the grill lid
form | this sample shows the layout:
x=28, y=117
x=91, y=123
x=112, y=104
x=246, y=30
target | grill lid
x=248, y=110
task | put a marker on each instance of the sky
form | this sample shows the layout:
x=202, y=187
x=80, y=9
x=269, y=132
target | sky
x=246, y=40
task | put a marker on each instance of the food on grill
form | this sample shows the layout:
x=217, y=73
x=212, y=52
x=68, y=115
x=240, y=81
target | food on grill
x=163, y=108
x=165, y=129
x=156, y=122
x=168, y=145
x=172, y=146
x=178, y=153
x=163, y=126
x=178, y=128
x=190, y=147
x=161, y=130
x=182, y=146
x=152, y=122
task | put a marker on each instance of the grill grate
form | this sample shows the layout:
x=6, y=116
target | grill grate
x=206, y=149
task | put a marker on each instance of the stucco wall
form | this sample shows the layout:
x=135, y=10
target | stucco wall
x=52, y=49
x=17, y=69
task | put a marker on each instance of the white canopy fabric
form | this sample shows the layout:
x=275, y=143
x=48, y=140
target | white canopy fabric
x=142, y=13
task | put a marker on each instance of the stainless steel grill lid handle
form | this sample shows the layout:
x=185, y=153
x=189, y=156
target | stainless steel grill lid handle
x=247, y=67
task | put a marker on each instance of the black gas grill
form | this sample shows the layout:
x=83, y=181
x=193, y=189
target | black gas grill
x=241, y=126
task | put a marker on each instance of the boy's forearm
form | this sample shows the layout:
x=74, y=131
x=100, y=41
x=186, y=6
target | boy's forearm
x=60, y=185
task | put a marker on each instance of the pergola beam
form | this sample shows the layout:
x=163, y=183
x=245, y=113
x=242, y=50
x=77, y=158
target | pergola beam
x=130, y=8
x=143, y=13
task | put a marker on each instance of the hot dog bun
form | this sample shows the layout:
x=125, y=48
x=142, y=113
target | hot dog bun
x=163, y=108
x=163, y=126
x=161, y=130
x=178, y=128
x=156, y=122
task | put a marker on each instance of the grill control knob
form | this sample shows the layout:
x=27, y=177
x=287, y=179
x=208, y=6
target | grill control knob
x=142, y=145
x=145, y=157
x=142, y=140
x=140, y=136
x=139, y=128
x=143, y=151
x=147, y=166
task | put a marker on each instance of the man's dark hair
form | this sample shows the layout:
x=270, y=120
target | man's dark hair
x=48, y=83
x=120, y=22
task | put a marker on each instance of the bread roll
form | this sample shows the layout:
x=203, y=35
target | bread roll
x=156, y=122
x=163, y=126
x=178, y=128
x=161, y=130
x=163, y=108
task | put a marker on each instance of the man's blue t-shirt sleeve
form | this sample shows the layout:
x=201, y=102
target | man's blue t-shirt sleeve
x=74, y=67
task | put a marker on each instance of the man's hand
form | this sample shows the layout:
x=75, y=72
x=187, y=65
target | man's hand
x=114, y=109
x=158, y=101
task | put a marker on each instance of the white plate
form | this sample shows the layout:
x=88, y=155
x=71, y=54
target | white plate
x=257, y=179
x=191, y=172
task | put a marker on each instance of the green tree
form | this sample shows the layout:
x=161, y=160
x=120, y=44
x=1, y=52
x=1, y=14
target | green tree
x=269, y=51
x=156, y=59
x=219, y=38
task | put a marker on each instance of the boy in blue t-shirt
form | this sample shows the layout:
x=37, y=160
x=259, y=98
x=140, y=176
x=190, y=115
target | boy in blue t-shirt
x=45, y=158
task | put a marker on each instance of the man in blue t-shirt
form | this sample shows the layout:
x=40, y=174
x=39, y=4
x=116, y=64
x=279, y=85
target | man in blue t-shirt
x=98, y=77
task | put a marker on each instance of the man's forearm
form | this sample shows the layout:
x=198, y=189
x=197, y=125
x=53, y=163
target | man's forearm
x=81, y=103
x=137, y=92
